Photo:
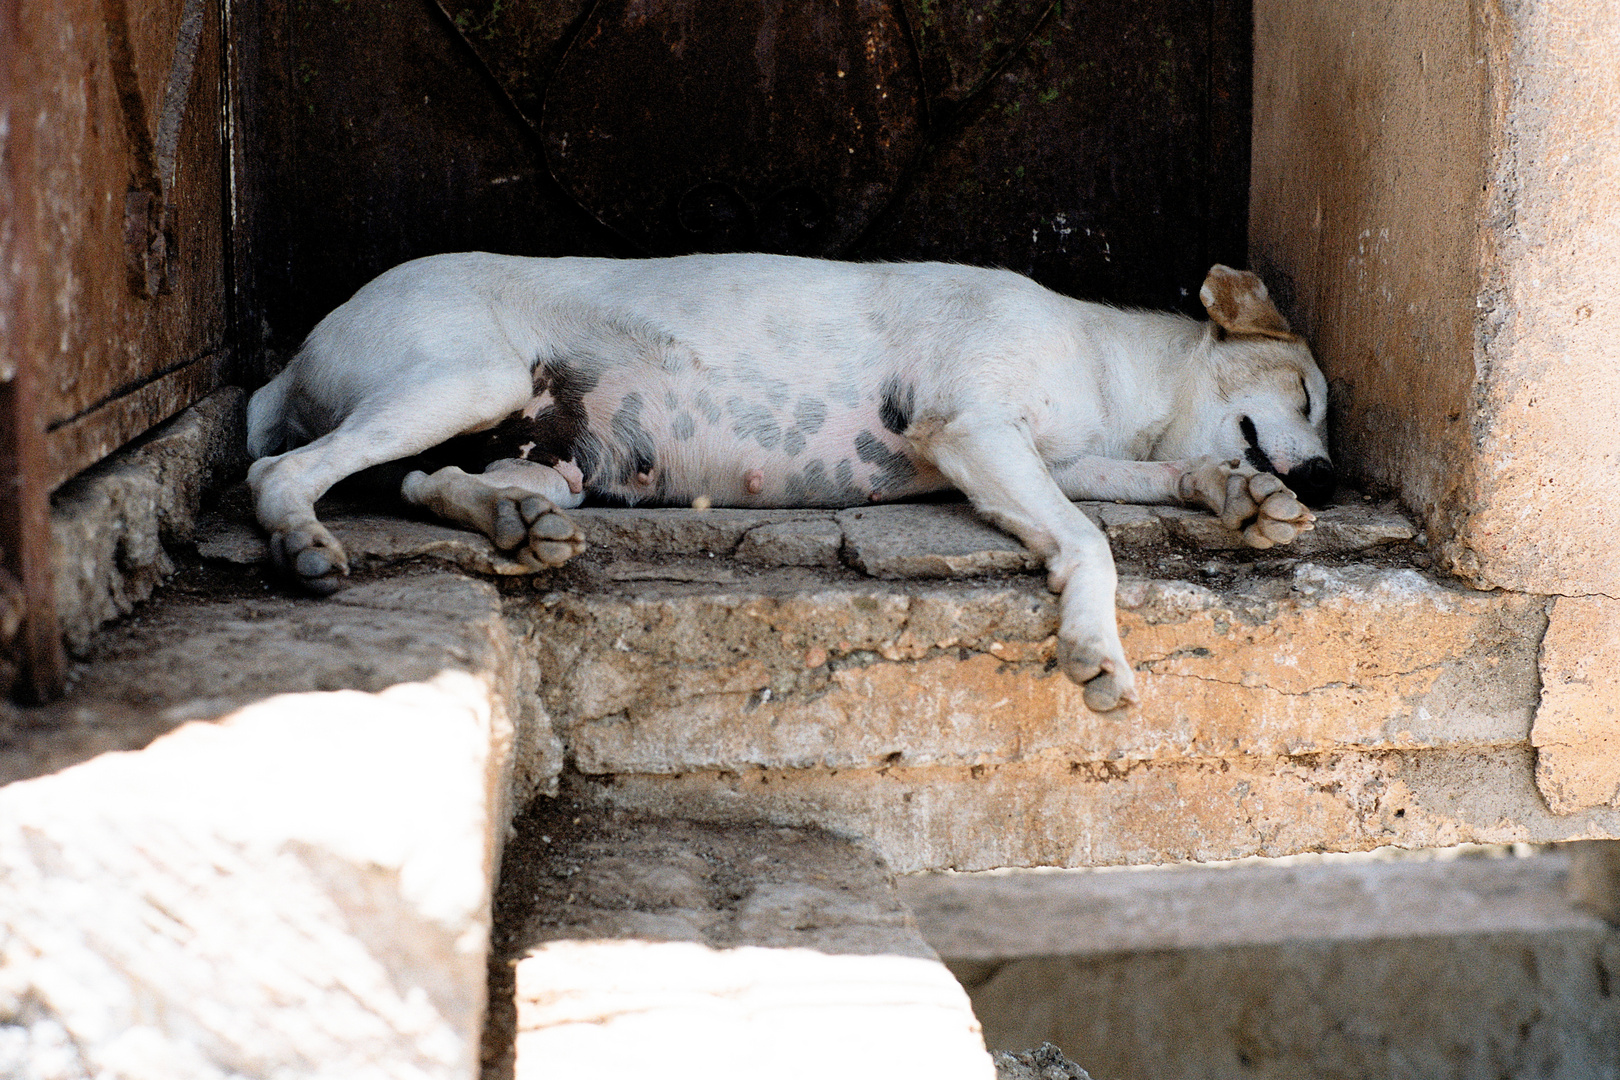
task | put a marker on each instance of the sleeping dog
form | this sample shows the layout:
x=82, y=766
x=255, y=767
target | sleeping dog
x=758, y=380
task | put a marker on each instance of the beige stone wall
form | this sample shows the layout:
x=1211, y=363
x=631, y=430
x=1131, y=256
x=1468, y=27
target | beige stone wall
x=1542, y=512
x=1436, y=198
x=1436, y=194
x=1367, y=179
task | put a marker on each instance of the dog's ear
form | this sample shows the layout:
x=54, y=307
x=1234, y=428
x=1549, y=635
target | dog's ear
x=1238, y=302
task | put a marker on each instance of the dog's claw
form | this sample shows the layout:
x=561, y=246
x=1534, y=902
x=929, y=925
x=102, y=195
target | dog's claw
x=311, y=556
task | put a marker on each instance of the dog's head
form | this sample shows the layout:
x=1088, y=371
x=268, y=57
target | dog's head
x=1254, y=391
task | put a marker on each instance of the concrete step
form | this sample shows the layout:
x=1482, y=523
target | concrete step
x=260, y=837
x=897, y=685
x=1001, y=916
x=1457, y=965
x=635, y=947
x=886, y=672
x=264, y=830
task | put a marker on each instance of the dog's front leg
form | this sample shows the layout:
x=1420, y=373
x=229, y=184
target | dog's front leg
x=1257, y=504
x=991, y=458
x=513, y=502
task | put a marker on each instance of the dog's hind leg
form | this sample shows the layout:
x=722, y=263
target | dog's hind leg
x=991, y=458
x=513, y=502
x=407, y=422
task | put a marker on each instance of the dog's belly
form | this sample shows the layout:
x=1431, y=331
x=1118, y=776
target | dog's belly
x=736, y=439
x=740, y=462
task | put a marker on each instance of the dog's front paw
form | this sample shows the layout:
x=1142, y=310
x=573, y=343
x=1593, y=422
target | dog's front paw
x=1280, y=516
x=532, y=527
x=1255, y=503
x=310, y=556
x=1107, y=679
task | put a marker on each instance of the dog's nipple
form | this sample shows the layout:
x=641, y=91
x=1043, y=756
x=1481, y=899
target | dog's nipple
x=755, y=481
x=571, y=473
x=644, y=478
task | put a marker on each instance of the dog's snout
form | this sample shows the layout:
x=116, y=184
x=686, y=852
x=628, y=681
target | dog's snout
x=1312, y=481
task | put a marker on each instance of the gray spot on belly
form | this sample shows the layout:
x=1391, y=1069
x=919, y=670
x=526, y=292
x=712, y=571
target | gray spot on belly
x=808, y=417
x=683, y=427
x=751, y=420
x=813, y=487
x=705, y=403
x=636, y=451
x=847, y=391
x=899, y=401
x=809, y=487
x=894, y=469
x=809, y=414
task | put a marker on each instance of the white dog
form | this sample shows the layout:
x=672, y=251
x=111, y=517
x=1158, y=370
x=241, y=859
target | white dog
x=755, y=380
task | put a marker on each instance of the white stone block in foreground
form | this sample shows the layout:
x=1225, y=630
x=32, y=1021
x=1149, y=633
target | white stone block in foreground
x=299, y=889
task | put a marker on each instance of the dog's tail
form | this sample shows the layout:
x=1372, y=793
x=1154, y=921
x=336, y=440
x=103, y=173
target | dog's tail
x=267, y=417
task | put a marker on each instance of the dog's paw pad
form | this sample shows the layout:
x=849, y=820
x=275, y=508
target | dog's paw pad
x=545, y=523
x=1104, y=694
x=1279, y=519
x=531, y=525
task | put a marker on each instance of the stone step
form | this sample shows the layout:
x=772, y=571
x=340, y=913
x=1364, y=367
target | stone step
x=894, y=682
x=637, y=947
x=999, y=916
x=259, y=837
x=1467, y=968
x=312, y=795
x=1342, y=700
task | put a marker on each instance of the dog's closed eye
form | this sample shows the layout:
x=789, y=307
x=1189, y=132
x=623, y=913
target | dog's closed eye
x=1306, y=409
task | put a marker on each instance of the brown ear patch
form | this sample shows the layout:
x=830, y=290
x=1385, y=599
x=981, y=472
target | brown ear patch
x=1238, y=302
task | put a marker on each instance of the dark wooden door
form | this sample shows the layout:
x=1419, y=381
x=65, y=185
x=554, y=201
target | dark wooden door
x=1098, y=145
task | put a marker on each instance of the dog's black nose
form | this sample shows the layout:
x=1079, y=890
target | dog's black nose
x=1312, y=481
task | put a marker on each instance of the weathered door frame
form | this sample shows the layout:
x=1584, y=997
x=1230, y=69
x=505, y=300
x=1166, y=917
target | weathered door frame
x=25, y=535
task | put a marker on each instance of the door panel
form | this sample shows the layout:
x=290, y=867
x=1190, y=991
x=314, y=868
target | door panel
x=536, y=127
x=129, y=218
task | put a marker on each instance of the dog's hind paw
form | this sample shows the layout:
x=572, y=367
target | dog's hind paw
x=310, y=556
x=1107, y=681
x=1255, y=503
x=532, y=527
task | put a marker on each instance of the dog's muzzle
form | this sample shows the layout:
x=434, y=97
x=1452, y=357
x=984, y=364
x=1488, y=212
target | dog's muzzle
x=1313, y=480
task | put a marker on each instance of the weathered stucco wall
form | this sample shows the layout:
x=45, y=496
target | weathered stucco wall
x=1366, y=181
x=1436, y=193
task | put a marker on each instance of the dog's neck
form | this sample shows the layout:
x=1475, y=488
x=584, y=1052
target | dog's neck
x=1167, y=352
